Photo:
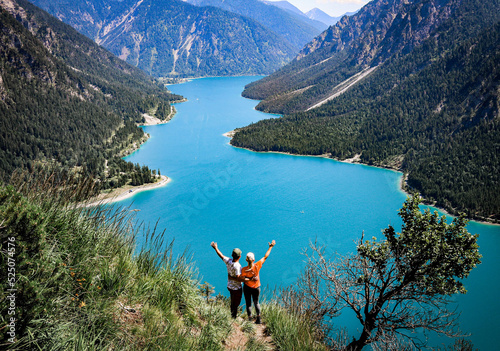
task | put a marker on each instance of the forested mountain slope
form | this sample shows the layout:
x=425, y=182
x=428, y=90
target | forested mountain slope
x=65, y=100
x=380, y=30
x=431, y=109
x=293, y=29
x=174, y=38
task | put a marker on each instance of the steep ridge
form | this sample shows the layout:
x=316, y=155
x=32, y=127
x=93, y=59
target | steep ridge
x=295, y=30
x=381, y=29
x=429, y=109
x=63, y=99
x=173, y=38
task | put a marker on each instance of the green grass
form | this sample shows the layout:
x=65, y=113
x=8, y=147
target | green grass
x=290, y=331
x=78, y=269
x=82, y=284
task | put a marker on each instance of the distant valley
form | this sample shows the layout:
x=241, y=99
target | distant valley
x=410, y=85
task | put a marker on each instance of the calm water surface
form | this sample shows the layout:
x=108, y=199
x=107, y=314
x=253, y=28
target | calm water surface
x=239, y=198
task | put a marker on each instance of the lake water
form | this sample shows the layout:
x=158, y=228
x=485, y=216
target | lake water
x=243, y=199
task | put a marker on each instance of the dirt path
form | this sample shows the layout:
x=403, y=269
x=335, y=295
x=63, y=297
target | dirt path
x=239, y=339
x=262, y=335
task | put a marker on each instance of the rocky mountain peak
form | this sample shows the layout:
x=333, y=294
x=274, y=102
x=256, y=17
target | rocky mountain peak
x=382, y=28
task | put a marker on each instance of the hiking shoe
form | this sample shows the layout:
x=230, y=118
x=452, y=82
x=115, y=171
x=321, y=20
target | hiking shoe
x=257, y=321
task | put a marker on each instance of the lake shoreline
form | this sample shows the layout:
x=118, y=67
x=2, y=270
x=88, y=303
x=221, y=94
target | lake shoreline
x=126, y=192
x=357, y=160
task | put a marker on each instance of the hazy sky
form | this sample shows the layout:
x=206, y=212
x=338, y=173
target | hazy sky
x=332, y=7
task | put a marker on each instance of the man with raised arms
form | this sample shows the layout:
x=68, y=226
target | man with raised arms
x=234, y=278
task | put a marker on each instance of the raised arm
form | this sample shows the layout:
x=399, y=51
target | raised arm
x=214, y=245
x=271, y=244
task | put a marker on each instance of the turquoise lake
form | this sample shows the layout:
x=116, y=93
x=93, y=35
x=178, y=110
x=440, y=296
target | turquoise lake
x=244, y=199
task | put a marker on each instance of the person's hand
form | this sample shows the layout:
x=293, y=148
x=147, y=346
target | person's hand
x=214, y=245
x=254, y=278
x=272, y=243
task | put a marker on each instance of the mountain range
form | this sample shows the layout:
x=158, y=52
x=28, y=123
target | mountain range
x=172, y=38
x=380, y=30
x=411, y=85
x=296, y=30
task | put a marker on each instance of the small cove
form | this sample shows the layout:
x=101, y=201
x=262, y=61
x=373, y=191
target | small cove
x=244, y=199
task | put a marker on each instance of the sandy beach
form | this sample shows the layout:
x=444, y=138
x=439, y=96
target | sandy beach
x=152, y=121
x=229, y=134
x=126, y=192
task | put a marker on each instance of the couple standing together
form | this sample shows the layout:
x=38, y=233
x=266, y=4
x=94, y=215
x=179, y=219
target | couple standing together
x=248, y=275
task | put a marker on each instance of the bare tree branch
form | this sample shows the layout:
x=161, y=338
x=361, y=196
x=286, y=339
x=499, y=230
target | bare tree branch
x=396, y=286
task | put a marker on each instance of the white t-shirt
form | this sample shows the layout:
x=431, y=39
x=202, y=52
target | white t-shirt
x=233, y=269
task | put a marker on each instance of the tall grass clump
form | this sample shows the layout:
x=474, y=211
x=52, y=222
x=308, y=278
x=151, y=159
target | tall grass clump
x=291, y=331
x=82, y=284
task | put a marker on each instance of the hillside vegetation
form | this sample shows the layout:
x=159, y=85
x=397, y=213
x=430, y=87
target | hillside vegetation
x=65, y=101
x=431, y=109
x=82, y=284
x=172, y=38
